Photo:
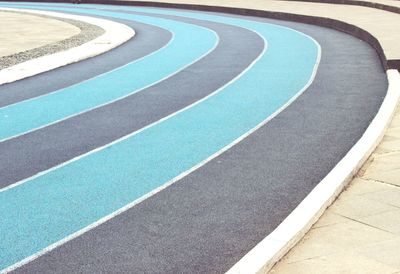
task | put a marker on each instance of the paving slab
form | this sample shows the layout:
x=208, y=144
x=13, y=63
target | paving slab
x=22, y=31
x=346, y=263
x=392, y=3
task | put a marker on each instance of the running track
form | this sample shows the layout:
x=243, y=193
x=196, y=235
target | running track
x=80, y=143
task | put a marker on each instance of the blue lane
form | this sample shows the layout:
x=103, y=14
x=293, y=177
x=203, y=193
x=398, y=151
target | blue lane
x=54, y=205
x=37, y=112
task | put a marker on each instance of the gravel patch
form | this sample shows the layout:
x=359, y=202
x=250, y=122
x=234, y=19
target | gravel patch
x=88, y=33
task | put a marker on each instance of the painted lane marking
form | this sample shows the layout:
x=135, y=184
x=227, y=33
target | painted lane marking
x=33, y=114
x=209, y=127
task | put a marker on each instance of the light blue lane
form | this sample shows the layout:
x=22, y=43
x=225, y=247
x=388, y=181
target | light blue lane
x=28, y=115
x=48, y=208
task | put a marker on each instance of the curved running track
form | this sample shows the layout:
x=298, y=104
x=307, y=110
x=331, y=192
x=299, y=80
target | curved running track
x=79, y=151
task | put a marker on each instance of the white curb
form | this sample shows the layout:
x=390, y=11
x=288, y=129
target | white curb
x=115, y=34
x=272, y=248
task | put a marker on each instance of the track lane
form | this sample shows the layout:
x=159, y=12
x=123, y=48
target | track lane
x=211, y=218
x=51, y=108
x=32, y=153
x=231, y=94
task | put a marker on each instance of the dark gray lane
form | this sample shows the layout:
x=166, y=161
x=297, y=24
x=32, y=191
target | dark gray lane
x=147, y=39
x=29, y=154
x=207, y=221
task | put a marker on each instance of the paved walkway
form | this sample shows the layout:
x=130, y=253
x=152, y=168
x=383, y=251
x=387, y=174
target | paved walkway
x=393, y=3
x=20, y=32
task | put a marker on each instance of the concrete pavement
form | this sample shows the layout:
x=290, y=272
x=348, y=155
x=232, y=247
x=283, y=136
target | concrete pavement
x=379, y=4
x=21, y=32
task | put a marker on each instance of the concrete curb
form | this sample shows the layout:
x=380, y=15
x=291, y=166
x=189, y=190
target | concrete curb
x=115, y=35
x=272, y=248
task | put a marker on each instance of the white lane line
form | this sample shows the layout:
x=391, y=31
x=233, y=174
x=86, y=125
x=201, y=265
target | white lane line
x=115, y=34
x=148, y=195
x=120, y=98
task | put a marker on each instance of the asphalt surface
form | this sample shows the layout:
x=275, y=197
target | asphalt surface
x=208, y=220
x=29, y=154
